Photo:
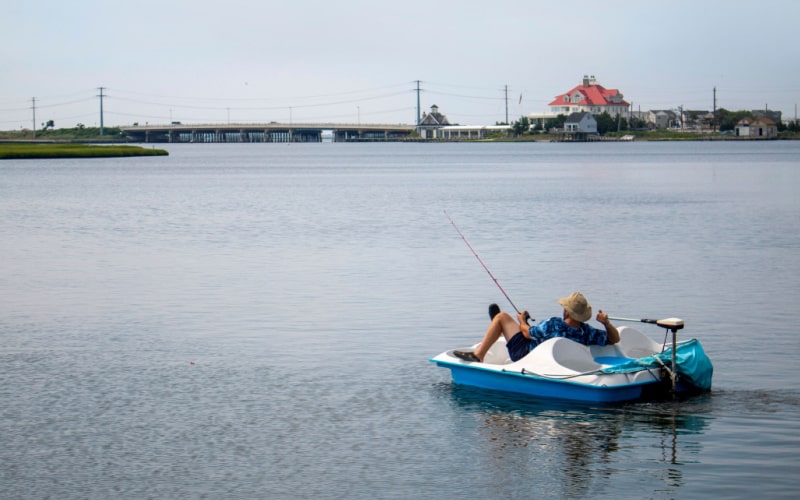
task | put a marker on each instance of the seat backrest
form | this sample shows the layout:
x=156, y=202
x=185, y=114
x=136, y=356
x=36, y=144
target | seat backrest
x=571, y=354
x=498, y=353
x=635, y=344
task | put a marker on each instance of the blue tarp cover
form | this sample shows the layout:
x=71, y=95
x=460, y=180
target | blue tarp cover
x=694, y=366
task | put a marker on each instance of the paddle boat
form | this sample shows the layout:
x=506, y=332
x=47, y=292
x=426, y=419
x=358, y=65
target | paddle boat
x=636, y=368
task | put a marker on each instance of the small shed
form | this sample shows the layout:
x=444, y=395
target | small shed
x=761, y=128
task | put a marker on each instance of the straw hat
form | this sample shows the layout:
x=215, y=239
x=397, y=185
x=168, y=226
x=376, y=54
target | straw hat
x=577, y=306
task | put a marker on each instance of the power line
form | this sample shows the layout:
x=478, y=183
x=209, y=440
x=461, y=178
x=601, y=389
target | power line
x=477, y=97
x=261, y=108
x=461, y=86
x=295, y=98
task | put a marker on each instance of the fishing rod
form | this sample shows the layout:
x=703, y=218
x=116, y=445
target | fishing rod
x=668, y=323
x=527, y=316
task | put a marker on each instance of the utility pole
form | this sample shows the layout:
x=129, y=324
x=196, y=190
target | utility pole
x=33, y=101
x=418, y=116
x=101, y=108
x=714, y=127
x=506, y=104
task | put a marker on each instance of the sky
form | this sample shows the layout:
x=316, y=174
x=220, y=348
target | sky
x=360, y=61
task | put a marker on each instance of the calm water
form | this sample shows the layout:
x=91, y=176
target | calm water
x=255, y=321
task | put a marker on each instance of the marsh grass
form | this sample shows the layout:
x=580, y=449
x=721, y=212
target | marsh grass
x=33, y=151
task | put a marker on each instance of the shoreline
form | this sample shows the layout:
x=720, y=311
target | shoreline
x=90, y=148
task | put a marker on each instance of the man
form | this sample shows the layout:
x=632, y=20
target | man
x=521, y=338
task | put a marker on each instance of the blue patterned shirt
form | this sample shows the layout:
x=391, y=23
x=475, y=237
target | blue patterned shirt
x=557, y=327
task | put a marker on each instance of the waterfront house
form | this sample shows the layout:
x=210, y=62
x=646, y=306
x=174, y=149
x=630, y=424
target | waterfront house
x=664, y=118
x=590, y=97
x=431, y=122
x=580, y=123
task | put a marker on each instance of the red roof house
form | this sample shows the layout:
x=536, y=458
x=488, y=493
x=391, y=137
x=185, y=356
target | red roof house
x=590, y=97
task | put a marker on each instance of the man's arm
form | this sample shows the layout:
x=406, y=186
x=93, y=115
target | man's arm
x=611, y=331
x=524, y=327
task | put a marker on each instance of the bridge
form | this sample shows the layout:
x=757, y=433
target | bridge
x=268, y=132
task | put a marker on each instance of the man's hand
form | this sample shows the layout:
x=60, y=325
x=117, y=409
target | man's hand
x=611, y=330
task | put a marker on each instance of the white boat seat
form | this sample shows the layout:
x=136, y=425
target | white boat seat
x=497, y=354
x=632, y=344
x=572, y=357
x=559, y=356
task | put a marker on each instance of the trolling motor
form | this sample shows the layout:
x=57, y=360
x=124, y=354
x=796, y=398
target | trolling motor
x=673, y=325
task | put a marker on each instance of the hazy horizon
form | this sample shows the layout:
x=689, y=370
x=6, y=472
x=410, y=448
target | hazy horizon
x=311, y=61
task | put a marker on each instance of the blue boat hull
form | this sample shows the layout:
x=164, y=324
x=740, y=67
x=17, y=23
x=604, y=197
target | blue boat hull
x=543, y=388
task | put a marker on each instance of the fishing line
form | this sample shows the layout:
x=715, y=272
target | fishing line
x=527, y=318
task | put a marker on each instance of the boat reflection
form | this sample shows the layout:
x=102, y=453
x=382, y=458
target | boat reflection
x=572, y=450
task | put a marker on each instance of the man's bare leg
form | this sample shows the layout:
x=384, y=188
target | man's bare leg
x=502, y=324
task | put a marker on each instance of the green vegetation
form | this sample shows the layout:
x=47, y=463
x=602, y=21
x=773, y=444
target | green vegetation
x=793, y=128
x=609, y=127
x=38, y=150
x=521, y=126
x=80, y=133
x=50, y=142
